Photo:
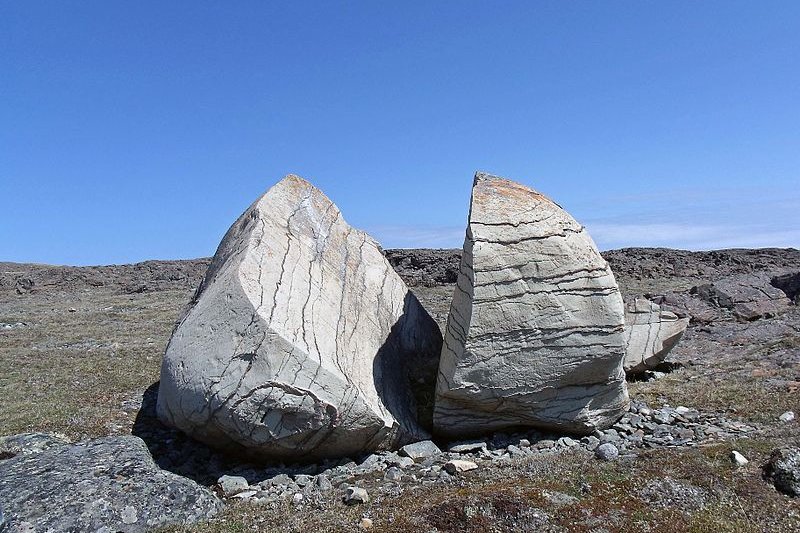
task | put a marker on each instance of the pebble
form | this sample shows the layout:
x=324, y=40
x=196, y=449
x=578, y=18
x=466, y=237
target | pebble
x=788, y=416
x=420, y=450
x=606, y=452
x=457, y=466
x=366, y=523
x=323, y=483
x=298, y=498
x=467, y=447
x=355, y=495
x=232, y=485
x=567, y=442
x=738, y=458
x=393, y=474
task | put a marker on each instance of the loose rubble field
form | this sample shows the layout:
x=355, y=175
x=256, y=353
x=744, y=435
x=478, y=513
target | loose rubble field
x=81, y=350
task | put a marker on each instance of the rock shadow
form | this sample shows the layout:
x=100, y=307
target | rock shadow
x=406, y=366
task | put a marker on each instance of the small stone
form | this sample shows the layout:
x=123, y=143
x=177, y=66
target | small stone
x=365, y=523
x=279, y=480
x=302, y=479
x=567, y=442
x=232, y=485
x=591, y=442
x=606, y=452
x=298, y=498
x=420, y=450
x=355, y=495
x=457, y=466
x=524, y=443
x=545, y=444
x=246, y=494
x=559, y=499
x=738, y=458
x=467, y=446
x=323, y=483
x=393, y=474
x=788, y=416
x=402, y=462
x=129, y=515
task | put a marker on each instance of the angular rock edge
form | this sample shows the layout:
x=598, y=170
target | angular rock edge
x=535, y=331
x=301, y=342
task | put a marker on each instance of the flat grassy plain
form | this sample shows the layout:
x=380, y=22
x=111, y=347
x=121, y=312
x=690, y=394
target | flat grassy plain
x=77, y=360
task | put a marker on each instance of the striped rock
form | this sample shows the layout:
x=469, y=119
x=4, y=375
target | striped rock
x=650, y=334
x=301, y=342
x=535, y=331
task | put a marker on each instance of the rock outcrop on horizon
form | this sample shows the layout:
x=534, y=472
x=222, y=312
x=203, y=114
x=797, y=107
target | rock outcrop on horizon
x=302, y=342
x=535, y=331
x=650, y=334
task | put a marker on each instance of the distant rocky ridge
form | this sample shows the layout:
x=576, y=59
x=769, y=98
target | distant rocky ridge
x=674, y=269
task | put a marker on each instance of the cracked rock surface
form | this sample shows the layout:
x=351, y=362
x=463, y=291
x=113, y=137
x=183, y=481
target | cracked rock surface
x=302, y=342
x=107, y=484
x=535, y=331
x=650, y=334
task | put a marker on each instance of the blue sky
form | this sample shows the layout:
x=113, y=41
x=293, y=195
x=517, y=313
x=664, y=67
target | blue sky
x=140, y=130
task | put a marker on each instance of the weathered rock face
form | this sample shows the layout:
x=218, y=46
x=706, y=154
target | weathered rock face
x=108, y=484
x=535, y=331
x=301, y=342
x=650, y=333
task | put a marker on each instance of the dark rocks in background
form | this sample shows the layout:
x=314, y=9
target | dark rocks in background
x=748, y=296
x=789, y=284
x=425, y=267
x=147, y=276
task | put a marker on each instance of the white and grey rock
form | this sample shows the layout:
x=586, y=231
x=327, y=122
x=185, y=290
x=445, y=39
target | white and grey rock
x=420, y=450
x=302, y=342
x=355, y=495
x=650, y=334
x=606, y=452
x=738, y=459
x=232, y=485
x=458, y=466
x=535, y=331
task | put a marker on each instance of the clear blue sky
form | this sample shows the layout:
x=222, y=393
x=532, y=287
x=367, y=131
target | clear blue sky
x=139, y=130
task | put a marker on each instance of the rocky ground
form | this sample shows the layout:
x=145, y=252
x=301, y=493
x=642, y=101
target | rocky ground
x=81, y=349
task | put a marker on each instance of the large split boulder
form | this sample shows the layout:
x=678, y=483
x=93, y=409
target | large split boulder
x=108, y=484
x=650, y=334
x=302, y=342
x=535, y=331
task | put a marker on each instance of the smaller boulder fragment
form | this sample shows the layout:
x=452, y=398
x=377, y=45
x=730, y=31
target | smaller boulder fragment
x=650, y=334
